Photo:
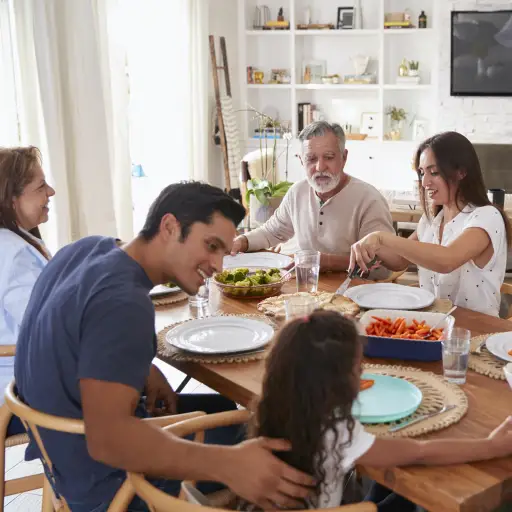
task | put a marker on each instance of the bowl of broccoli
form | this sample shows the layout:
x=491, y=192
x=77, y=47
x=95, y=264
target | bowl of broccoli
x=250, y=283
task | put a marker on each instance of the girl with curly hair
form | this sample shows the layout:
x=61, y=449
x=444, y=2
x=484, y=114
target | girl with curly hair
x=312, y=379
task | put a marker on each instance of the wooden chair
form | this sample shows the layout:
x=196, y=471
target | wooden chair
x=159, y=501
x=15, y=485
x=33, y=420
x=506, y=289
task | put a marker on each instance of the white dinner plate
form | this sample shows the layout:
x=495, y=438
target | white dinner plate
x=500, y=344
x=258, y=259
x=220, y=335
x=390, y=296
x=161, y=289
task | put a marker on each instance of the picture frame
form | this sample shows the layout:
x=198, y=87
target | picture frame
x=345, y=18
x=313, y=71
x=371, y=124
x=419, y=129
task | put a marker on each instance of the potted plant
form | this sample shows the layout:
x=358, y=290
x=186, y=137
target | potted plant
x=414, y=68
x=397, y=117
x=265, y=193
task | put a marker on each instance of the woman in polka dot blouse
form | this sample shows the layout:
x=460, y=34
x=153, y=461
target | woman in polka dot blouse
x=460, y=245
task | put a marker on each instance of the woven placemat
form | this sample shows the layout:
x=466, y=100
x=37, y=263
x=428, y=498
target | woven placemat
x=436, y=393
x=439, y=306
x=486, y=363
x=167, y=300
x=166, y=351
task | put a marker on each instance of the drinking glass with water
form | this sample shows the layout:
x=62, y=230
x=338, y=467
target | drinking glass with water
x=307, y=268
x=456, y=355
x=299, y=306
x=202, y=297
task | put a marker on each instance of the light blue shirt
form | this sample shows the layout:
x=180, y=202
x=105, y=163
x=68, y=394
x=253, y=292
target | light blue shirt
x=20, y=266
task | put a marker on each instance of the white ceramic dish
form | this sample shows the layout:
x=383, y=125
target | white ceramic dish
x=266, y=259
x=430, y=318
x=161, y=289
x=390, y=296
x=500, y=344
x=220, y=335
x=508, y=373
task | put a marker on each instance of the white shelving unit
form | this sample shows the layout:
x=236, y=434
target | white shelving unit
x=343, y=103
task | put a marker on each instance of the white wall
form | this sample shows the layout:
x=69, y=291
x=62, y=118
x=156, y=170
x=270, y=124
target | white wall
x=223, y=17
x=478, y=118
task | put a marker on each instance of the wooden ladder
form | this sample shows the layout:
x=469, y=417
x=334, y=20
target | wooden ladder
x=216, y=86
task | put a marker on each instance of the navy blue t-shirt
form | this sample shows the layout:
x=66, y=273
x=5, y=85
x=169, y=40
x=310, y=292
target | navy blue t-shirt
x=89, y=317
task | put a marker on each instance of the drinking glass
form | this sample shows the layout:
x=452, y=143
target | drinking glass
x=202, y=297
x=456, y=355
x=307, y=268
x=299, y=306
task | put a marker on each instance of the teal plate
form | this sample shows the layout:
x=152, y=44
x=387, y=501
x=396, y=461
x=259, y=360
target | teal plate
x=389, y=399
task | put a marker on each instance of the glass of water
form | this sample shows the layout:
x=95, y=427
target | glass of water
x=202, y=297
x=299, y=306
x=307, y=268
x=456, y=355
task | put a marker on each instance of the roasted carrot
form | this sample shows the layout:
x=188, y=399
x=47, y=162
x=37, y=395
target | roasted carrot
x=365, y=384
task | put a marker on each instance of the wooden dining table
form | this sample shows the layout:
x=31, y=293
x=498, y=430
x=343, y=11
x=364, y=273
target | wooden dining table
x=473, y=487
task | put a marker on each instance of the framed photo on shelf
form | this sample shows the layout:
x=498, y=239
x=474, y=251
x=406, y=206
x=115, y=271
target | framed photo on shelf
x=419, y=129
x=371, y=124
x=345, y=19
x=313, y=71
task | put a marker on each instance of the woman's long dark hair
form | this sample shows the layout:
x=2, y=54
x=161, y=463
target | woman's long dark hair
x=16, y=172
x=454, y=154
x=309, y=386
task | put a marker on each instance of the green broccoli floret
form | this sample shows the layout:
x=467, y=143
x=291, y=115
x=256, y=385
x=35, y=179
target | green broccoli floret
x=273, y=271
x=274, y=278
x=238, y=276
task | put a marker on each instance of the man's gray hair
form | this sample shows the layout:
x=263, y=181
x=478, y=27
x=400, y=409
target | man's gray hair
x=319, y=128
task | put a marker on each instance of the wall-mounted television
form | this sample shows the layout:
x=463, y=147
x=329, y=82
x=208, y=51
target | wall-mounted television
x=481, y=53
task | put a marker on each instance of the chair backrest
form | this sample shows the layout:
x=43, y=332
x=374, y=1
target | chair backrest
x=159, y=501
x=33, y=420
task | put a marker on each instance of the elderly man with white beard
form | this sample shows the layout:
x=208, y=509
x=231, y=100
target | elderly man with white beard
x=329, y=210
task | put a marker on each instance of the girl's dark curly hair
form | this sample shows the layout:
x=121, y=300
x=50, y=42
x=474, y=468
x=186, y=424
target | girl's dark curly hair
x=310, y=383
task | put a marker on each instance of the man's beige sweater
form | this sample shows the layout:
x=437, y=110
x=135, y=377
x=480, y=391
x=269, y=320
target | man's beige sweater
x=332, y=227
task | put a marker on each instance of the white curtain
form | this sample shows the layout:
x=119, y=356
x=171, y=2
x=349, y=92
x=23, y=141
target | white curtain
x=9, y=132
x=73, y=98
x=168, y=68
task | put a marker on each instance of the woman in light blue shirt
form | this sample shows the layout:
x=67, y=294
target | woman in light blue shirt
x=24, y=200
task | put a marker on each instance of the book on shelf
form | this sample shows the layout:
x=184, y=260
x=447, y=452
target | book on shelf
x=413, y=80
x=398, y=24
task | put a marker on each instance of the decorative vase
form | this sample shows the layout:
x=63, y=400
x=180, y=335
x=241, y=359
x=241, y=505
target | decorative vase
x=360, y=63
x=260, y=213
x=414, y=72
x=358, y=15
x=403, y=69
x=396, y=129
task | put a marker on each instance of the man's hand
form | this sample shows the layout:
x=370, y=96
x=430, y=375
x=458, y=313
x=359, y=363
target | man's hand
x=160, y=397
x=257, y=475
x=240, y=244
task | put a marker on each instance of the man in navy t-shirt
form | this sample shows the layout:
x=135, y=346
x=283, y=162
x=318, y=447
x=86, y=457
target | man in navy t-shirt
x=86, y=346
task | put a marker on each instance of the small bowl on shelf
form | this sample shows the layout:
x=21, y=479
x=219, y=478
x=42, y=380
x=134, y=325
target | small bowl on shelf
x=356, y=136
x=242, y=290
